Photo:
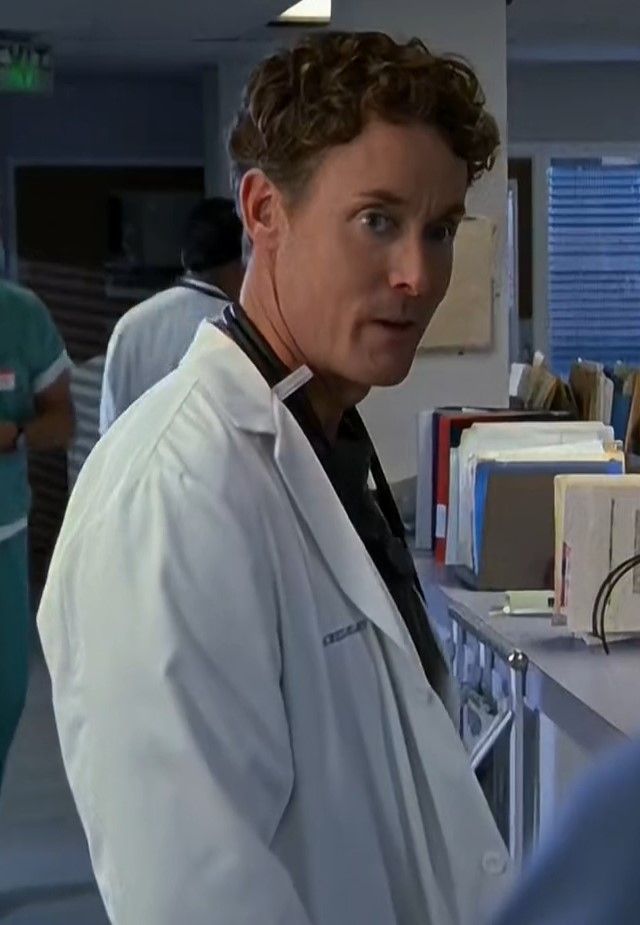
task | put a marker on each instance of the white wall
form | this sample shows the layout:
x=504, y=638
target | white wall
x=477, y=31
x=562, y=103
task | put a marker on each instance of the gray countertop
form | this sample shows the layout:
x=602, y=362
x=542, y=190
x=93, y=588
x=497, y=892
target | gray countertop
x=594, y=697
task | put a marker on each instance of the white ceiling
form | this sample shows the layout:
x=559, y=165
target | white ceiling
x=187, y=34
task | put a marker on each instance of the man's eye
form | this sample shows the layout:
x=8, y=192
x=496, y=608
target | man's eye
x=378, y=222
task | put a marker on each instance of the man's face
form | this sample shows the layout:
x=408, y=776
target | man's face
x=364, y=257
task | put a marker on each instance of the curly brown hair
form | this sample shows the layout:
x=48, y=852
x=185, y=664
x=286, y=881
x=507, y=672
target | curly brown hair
x=301, y=101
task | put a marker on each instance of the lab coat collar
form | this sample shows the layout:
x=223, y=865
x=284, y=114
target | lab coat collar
x=192, y=282
x=234, y=384
x=243, y=397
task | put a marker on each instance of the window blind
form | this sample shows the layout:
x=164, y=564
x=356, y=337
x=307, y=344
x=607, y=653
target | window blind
x=594, y=262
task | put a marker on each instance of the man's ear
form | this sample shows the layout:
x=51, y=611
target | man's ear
x=262, y=209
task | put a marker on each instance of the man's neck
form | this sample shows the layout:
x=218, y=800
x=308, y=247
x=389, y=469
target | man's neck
x=329, y=396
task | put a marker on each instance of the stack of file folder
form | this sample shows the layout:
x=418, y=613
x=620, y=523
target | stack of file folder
x=439, y=434
x=505, y=536
x=485, y=499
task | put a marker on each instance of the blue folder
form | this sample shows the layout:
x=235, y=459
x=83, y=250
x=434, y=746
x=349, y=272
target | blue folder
x=489, y=469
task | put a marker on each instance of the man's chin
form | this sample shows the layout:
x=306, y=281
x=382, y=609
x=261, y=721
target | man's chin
x=388, y=376
x=377, y=376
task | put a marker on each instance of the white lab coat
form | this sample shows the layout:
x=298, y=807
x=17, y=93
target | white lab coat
x=150, y=340
x=245, y=724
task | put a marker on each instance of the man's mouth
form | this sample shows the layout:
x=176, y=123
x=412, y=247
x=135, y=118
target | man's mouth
x=395, y=325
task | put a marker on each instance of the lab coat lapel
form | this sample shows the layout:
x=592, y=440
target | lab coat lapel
x=339, y=544
x=251, y=405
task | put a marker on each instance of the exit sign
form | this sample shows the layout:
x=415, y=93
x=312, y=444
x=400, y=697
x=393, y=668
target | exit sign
x=25, y=68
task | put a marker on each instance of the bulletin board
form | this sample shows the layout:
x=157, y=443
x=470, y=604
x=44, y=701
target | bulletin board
x=464, y=320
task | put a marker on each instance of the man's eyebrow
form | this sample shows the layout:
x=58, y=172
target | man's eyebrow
x=455, y=210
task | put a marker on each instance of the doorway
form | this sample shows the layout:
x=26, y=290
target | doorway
x=81, y=251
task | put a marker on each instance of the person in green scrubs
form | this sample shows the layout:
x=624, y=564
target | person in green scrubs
x=35, y=413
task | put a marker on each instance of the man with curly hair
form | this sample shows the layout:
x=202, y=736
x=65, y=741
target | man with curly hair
x=249, y=695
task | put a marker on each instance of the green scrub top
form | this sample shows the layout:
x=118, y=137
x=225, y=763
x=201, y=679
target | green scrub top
x=32, y=357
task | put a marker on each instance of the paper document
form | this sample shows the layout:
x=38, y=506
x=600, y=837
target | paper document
x=597, y=528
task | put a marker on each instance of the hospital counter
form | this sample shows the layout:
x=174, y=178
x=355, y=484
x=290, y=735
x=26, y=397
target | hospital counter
x=515, y=670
